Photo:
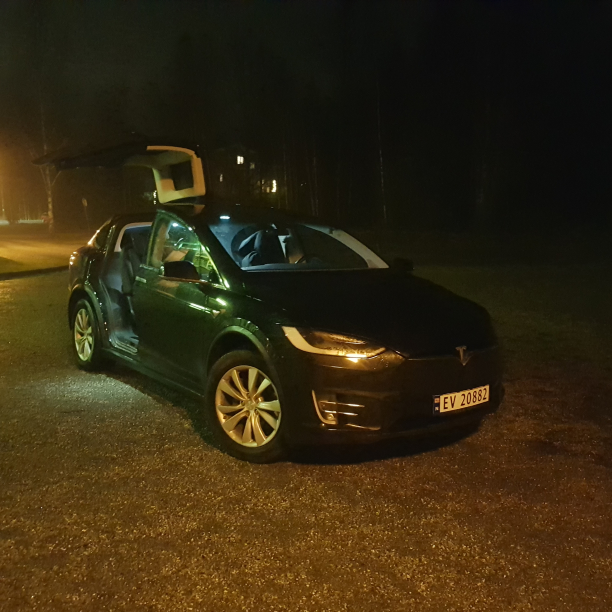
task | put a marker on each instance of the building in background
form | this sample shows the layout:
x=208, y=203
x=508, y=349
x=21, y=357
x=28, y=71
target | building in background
x=237, y=174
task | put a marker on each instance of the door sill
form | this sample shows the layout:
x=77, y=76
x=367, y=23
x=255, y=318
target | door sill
x=134, y=364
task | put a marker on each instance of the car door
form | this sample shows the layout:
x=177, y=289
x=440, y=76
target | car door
x=200, y=306
x=173, y=316
x=154, y=301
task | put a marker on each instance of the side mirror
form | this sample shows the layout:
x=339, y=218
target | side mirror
x=402, y=264
x=183, y=270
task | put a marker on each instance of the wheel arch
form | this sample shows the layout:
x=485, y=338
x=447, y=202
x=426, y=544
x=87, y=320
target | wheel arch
x=85, y=292
x=236, y=338
x=77, y=294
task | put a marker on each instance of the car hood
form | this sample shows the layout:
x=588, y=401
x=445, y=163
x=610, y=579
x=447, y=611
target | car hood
x=400, y=311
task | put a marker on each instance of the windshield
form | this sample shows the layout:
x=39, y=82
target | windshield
x=292, y=245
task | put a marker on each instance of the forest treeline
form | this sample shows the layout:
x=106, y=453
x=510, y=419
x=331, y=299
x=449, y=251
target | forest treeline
x=405, y=114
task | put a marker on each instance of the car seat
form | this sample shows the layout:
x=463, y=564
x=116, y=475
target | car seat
x=261, y=248
x=132, y=254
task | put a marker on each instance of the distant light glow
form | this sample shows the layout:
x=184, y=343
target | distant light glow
x=220, y=178
x=239, y=159
x=274, y=186
x=224, y=217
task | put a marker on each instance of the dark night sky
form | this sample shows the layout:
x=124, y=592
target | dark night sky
x=491, y=113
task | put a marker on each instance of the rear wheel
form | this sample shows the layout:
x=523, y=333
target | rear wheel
x=244, y=409
x=86, y=337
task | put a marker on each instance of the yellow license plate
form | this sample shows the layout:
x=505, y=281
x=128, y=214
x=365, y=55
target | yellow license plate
x=461, y=400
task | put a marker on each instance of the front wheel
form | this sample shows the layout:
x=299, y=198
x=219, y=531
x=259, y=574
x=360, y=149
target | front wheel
x=243, y=405
x=86, y=337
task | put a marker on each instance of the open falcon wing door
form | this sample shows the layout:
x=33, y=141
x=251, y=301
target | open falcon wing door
x=177, y=171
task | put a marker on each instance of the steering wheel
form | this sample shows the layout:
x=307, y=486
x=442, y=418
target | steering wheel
x=306, y=259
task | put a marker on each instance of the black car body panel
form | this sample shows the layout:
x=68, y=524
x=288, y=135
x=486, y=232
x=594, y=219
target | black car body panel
x=405, y=313
x=175, y=330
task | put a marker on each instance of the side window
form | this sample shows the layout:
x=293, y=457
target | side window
x=174, y=241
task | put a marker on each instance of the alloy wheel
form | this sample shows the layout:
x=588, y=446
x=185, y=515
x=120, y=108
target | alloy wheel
x=83, y=335
x=247, y=406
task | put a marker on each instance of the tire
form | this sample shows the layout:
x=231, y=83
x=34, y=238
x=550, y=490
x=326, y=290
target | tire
x=86, y=344
x=241, y=383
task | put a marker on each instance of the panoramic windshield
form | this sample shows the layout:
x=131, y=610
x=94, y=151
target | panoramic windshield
x=291, y=245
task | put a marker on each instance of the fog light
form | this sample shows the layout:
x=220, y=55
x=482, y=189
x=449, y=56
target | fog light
x=332, y=412
x=326, y=407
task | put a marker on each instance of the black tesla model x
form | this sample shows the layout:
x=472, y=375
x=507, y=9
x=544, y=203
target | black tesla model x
x=289, y=330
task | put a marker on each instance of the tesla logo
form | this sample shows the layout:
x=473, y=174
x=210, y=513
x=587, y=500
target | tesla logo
x=463, y=354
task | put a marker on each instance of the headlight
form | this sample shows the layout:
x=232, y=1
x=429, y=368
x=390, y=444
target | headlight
x=325, y=343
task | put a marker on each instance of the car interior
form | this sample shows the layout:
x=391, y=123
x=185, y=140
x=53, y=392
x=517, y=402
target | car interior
x=272, y=246
x=264, y=246
x=118, y=277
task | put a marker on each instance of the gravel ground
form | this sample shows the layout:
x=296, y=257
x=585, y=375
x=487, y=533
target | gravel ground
x=111, y=498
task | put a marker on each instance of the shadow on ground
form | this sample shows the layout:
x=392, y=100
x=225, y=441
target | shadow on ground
x=191, y=408
x=379, y=451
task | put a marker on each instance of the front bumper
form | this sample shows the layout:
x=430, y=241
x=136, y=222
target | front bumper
x=334, y=400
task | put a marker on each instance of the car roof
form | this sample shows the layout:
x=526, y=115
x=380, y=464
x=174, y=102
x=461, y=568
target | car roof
x=124, y=218
x=211, y=211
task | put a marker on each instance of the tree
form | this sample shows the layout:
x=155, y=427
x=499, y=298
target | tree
x=49, y=174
